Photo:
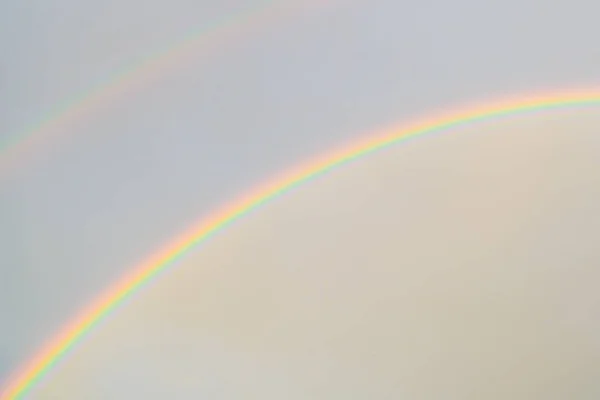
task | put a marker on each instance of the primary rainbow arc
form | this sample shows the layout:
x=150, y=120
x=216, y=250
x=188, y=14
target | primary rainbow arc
x=31, y=373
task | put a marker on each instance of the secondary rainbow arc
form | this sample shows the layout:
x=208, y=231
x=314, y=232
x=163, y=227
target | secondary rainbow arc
x=57, y=348
x=19, y=146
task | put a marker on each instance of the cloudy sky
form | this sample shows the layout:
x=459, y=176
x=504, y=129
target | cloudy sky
x=266, y=86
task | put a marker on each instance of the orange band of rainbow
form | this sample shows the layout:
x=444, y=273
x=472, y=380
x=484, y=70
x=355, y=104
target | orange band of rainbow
x=58, y=347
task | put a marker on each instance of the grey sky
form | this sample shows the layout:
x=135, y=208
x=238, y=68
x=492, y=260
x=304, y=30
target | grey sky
x=135, y=171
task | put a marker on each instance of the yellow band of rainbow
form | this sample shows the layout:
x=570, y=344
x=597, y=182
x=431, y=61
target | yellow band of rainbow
x=32, y=371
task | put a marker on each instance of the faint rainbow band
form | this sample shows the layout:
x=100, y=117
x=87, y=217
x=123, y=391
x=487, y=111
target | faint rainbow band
x=16, y=148
x=57, y=348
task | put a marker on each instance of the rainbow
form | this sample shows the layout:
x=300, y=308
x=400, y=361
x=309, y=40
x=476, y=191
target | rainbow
x=16, y=148
x=59, y=346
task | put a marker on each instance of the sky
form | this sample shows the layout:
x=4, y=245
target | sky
x=124, y=175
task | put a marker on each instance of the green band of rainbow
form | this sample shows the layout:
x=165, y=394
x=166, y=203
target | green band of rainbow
x=58, y=347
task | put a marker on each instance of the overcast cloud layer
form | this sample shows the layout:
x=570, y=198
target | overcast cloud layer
x=132, y=172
